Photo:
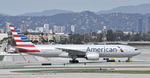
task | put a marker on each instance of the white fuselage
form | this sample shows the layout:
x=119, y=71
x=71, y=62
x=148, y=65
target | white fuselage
x=102, y=50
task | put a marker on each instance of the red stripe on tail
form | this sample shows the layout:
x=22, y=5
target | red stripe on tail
x=13, y=30
x=10, y=26
x=18, y=40
x=21, y=50
x=25, y=46
x=16, y=35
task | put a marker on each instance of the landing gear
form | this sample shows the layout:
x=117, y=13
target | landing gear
x=44, y=64
x=73, y=61
x=129, y=59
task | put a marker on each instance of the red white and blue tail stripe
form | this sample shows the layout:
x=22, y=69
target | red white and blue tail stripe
x=23, y=44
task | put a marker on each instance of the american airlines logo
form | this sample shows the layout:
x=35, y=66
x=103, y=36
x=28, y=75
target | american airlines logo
x=121, y=50
x=89, y=49
x=101, y=49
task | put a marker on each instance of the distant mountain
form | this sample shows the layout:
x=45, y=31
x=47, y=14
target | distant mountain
x=141, y=9
x=3, y=14
x=47, y=13
x=84, y=22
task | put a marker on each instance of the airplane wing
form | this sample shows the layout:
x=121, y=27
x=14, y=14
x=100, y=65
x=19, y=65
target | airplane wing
x=73, y=52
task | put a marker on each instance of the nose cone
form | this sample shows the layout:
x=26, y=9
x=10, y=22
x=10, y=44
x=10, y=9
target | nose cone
x=137, y=52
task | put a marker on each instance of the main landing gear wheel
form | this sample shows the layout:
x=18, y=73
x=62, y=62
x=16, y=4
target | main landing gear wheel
x=73, y=61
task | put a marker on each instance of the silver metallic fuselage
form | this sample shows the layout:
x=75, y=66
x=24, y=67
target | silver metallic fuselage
x=103, y=50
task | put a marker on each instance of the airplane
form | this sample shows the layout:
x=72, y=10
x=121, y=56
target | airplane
x=89, y=52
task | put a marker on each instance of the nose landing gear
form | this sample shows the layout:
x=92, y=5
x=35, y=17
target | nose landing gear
x=129, y=59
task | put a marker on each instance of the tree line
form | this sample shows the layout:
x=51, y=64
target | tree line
x=110, y=36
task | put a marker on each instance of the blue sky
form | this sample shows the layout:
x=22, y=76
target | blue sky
x=15, y=7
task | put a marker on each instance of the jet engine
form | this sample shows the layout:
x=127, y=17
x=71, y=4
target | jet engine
x=92, y=56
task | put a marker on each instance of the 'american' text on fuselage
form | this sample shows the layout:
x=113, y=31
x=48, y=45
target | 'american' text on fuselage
x=101, y=49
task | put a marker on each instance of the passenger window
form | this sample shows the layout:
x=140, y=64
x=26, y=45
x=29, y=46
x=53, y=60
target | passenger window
x=136, y=49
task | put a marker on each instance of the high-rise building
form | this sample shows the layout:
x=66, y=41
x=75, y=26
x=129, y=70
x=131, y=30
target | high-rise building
x=7, y=26
x=1, y=30
x=29, y=30
x=46, y=28
x=140, y=25
x=58, y=29
x=72, y=28
x=23, y=28
x=147, y=25
x=50, y=31
x=104, y=33
x=39, y=29
x=62, y=29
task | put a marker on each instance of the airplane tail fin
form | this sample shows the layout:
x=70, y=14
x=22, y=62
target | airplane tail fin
x=23, y=44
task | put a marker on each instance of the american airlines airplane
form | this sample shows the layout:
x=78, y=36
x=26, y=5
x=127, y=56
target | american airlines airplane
x=89, y=52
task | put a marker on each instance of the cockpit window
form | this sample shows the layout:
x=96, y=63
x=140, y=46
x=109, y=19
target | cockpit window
x=136, y=49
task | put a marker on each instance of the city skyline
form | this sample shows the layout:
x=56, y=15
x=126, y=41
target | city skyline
x=17, y=7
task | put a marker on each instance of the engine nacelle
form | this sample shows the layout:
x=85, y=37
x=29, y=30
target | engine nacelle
x=92, y=56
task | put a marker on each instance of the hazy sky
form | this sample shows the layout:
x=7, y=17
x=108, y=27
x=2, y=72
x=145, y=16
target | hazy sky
x=15, y=7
